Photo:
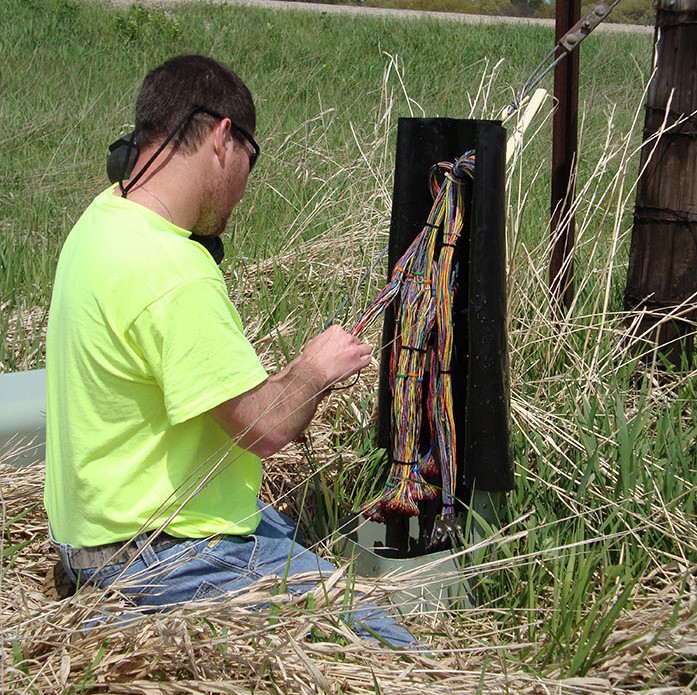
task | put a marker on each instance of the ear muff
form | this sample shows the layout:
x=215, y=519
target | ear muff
x=121, y=158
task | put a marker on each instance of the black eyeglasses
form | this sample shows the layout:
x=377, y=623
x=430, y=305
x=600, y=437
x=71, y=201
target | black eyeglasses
x=245, y=134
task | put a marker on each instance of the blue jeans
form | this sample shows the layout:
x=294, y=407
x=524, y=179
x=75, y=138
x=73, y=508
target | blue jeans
x=208, y=568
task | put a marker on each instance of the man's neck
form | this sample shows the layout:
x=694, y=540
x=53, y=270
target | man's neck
x=172, y=190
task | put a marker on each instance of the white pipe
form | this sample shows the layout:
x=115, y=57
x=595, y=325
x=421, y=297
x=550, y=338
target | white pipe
x=23, y=417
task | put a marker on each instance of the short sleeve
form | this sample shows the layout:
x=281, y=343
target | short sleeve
x=193, y=342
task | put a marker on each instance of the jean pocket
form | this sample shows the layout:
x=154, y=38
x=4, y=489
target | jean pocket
x=234, y=553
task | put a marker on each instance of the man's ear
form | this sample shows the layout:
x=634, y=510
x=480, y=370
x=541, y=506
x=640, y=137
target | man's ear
x=221, y=138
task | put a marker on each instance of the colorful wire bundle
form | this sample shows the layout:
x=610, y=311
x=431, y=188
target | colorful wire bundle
x=442, y=407
x=423, y=286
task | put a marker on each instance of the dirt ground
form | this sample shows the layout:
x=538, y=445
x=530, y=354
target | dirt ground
x=379, y=12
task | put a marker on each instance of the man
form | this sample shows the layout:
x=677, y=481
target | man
x=158, y=409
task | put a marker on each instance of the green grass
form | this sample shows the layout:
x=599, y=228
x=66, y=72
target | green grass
x=72, y=70
x=603, y=515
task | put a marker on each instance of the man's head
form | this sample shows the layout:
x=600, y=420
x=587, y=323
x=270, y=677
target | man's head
x=195, y=122
x=174, y=89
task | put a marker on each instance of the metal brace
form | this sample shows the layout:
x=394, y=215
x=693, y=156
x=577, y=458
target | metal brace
x=585, y=26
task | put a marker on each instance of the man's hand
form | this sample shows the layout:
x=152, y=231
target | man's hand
x=274, y=413
x=332, y=356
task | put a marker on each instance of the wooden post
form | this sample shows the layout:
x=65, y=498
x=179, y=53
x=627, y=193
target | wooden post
x=564, y=142
x=662, y=270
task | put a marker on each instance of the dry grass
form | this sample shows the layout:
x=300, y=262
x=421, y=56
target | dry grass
x=24, y=332
x=230, y=647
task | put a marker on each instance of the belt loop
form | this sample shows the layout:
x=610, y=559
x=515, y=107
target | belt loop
x=146, y=552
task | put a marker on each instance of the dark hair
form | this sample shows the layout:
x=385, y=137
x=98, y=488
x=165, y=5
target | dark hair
x=172, y=90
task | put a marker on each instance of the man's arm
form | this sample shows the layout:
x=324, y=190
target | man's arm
x=264, y=419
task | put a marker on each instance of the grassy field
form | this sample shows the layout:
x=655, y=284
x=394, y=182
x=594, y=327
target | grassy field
x=591, y=586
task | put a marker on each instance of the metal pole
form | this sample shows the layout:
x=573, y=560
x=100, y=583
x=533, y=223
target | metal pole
x=564, y=141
